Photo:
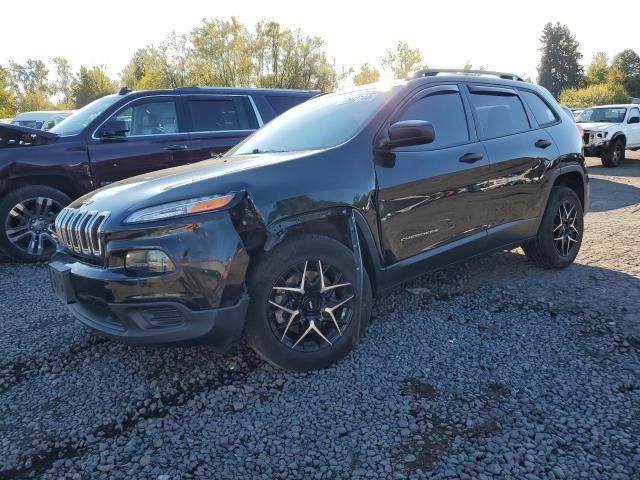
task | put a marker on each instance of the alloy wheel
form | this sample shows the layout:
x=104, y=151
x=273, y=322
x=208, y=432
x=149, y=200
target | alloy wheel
x=565, y=229
x=30, y=225
x=312, y=304
x=617, y=154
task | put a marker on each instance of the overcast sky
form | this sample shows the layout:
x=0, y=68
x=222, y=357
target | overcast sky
x=499, y=35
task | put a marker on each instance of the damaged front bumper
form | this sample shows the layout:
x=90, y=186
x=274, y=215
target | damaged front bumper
x=595, y=142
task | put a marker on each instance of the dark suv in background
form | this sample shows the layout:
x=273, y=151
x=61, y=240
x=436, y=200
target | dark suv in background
x=286, y=237
x=116, y=137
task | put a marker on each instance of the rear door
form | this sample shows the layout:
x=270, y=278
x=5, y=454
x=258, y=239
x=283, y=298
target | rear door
x=520, y=152
x=218, y=122
x=429, y=198
x=156, y=139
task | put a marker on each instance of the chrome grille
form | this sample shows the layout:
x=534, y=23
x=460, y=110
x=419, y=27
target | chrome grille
x=80, y=231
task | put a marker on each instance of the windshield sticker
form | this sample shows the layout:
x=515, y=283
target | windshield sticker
x=356, y=98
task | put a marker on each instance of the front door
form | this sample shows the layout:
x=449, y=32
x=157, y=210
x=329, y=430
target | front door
x=633, y=129
x=155, y=140
x=429, y=197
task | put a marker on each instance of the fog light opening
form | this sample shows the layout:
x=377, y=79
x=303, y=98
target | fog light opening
x=145, y=262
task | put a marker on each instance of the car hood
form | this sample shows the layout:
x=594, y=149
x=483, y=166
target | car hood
x=12, y=136
x=595, y=126
x=210, y=177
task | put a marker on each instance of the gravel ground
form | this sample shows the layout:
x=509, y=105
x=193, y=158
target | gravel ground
x=491, y=369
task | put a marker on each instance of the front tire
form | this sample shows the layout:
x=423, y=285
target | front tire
x=614, y=154
x=559, y=236
x=26, y=222
x=306, y=312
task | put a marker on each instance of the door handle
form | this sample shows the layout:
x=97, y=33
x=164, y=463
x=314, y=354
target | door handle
x=542, y=143
x=176, y=148
x=470, y=157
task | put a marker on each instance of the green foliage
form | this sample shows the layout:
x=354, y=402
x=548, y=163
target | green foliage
x=92, y=84
x=602, y=94
x=402, y=61
x=7, y=101
x=559, y=67
x=367, y=74
x=63, y=86
x=598, y=69
x=628, y=62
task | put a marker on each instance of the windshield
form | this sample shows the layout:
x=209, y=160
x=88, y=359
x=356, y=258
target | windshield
x=76, y=122
x=322, y=122
x=608, y=115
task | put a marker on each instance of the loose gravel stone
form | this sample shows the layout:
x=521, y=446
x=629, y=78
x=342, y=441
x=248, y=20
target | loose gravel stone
x=492, y=369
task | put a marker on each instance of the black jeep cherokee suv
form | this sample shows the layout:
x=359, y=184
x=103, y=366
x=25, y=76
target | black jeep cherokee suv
x=285, y=238
x=116, y=137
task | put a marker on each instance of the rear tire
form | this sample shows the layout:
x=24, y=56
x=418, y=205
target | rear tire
x=26, y=222
x=613, y=154
x=559, y=236
x=311, y=338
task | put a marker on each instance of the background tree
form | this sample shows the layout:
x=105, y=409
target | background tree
x=560, y=63
x=92, y=84
x=628, y=62
x=367, y=74
x=601, y=94
x=7, y=101
x=402, y=61
x=288, y=59
x=30, y=77
x=598, y=69
x=63, y=86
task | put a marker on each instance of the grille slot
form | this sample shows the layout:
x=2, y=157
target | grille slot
x=80, y=231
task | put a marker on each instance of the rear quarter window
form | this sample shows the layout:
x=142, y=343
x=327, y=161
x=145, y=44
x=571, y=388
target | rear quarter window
x=543, y=114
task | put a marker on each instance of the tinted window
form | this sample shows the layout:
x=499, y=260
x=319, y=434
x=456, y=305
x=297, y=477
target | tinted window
x=322, y=122
x=539, y=107
x=499, y=115
x=216, y=114
x=282, y=103
x=150, y=118
x=446, y=113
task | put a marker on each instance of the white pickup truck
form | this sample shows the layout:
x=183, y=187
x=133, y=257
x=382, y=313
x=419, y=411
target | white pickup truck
x=609, y=130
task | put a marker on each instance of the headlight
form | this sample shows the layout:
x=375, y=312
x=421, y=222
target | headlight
x=146, y=262
x=180, y=208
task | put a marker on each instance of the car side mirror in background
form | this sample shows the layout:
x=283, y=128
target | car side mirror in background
x=114, y=128
x=634, y=120
x=411, y=132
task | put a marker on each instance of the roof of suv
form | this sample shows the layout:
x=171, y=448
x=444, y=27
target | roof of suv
x=227, y=90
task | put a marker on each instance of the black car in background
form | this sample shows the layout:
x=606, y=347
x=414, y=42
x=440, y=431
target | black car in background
x=113, y=138
x=286, y=237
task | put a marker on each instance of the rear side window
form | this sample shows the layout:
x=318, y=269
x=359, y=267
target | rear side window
x=541, y=111
x=217, y=114
x=499, y=115
x=282, y=103
x=446, y=113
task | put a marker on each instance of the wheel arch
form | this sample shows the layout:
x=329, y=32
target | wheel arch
x=574, y=180
x=621, y=136
x=346, y=225
x=59, y=182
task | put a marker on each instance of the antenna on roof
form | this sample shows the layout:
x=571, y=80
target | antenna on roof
x=123, y=91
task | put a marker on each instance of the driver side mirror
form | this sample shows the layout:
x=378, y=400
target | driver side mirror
x=411, y=132
x=634, y=120
x=114, y=128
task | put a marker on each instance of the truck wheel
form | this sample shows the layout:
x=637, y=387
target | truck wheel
x=305, y=311
x=559, y=236
x=614, y=154
x=27, y=215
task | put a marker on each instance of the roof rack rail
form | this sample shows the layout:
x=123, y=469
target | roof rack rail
x=432, y=72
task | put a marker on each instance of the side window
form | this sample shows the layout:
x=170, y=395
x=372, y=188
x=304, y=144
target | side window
x=282, y=103
x=634, y=113
x=216, y=114
x=499, y=115
x=150, y=118
x=445, y=112
x=541, y=111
